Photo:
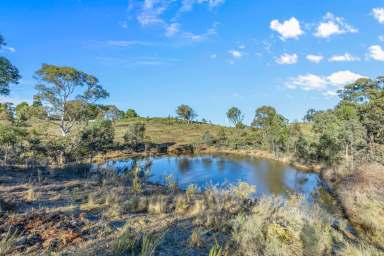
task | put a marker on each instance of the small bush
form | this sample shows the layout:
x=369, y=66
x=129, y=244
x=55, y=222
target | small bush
x=171, y=184
x=134, y=134
x=208, y=138
x=127, y=242
x=196, y=238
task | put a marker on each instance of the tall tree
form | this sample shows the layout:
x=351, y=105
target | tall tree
x=186, y=112
x=9, y=74
x=273, y=126
x=367, y=95
x=131, y=113
x=235, y=116
x=59, y=86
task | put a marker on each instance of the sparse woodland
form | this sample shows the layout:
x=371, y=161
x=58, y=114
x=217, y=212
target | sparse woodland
x=53, y=203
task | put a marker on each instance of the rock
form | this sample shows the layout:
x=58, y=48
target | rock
x=180, y=149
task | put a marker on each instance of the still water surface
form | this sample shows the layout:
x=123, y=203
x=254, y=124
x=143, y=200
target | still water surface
x=270, y=177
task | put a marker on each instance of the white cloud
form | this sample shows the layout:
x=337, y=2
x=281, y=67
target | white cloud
x=235, y=54
x=345, y=57
x=163, y=13
x=287, y=59
x=330, y=93
x=201, y=37
x=378, y=13
x=187, y=5
x=11, y=49
x=342, y=78
x=152, y=11
x=312, y=82
x=172, y=29
x=213, y=56
x=308, y=82
x=314, y=58
x=288, y=29
x=376, y=52
x=381, y=38
x=333, y=25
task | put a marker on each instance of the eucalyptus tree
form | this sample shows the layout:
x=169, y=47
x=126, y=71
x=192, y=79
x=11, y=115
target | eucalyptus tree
x=186, y=112
x=367, y=95
x=9, y=74
x=131, y=113
x=273, y=126
x=60, y=86
x=235, y=116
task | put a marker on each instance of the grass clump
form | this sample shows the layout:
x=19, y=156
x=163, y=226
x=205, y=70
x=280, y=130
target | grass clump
x=196, y=238
x=127, y=242
x=7, y=242
x=217, y=250
x=276, y=227
x=31, y=195
x=131, y=243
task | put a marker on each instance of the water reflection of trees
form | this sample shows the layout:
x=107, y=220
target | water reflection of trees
x=221, y=164
x=207, y=162
x=274, y=178
x=184, y=165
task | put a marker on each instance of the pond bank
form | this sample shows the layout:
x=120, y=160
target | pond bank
x=264, y=155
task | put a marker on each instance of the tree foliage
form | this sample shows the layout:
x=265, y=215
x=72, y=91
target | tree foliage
x=61, y=87
x=131, y=113
x=9, y=74
x=186, y=112
x=367, y=96
x=273, y=126
x=134, y=134
x=97, y=137
x=235, y=116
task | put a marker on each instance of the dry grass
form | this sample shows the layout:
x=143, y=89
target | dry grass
x=160, y=130
x=7, y=242
x=196, y=238
x=362, y=195
x=279, y=227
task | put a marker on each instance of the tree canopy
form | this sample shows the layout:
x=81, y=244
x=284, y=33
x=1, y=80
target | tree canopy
x=59, y=86
x=9, y=74
x=186, y=112
x=235, y=116
x=131, y=113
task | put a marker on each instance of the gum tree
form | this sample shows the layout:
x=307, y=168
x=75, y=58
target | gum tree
x=186, y=112
x=235, y=116
x=59, y=86
x=9, y=74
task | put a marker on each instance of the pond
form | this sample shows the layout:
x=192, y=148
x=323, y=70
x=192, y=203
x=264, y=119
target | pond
x=270, y=177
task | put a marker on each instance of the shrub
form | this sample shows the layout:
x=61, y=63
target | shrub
x=208, y=138
x=243, y=190
x=191, y=190
x=126, y=242
x=134, y=134
x=171, y=183
x=131, y=113
x=283, y=227
x=97, y=137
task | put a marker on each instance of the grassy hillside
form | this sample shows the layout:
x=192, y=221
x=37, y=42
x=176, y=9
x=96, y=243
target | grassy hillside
x=161, y=130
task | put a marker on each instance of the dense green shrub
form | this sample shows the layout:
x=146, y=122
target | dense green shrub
x=98, y=136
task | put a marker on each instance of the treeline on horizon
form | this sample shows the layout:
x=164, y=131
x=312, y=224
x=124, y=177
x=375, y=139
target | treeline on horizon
x=351, y=132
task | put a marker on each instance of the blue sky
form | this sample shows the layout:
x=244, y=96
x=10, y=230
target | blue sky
x=153, y=55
